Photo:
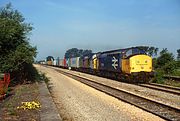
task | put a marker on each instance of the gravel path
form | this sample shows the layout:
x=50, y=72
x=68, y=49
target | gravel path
x=167, y=98
x=78, y=102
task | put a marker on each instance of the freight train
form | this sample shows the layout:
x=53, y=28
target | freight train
x=129, y=64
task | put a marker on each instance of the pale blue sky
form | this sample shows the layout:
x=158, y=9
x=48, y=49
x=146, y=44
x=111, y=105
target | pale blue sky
x=100, y=24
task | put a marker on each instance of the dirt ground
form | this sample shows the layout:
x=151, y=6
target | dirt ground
x=18, y=94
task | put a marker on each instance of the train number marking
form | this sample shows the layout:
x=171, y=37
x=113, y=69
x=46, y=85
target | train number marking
x=114, y=60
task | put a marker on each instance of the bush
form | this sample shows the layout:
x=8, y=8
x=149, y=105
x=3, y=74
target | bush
x=17, y=55
x=164, y=58
x=169, y=67
x=158, y=78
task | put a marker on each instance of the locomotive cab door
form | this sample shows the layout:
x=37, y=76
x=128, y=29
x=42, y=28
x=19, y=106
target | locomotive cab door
x=125, y=63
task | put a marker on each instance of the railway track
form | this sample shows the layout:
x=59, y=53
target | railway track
x=162, y=110
x=164, y=88
x=176, y=78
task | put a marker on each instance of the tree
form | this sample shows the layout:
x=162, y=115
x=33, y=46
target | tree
x=86, y=52
x=151, y=51
x=164, y=51
x=13, y=30
x=170, y=67
x=74, y=52
x=178, y=56
x=156, y=51
x=165, y=57
x=16, y=52
x=165, y=62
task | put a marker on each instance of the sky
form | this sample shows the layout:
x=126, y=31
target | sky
x=100, y=25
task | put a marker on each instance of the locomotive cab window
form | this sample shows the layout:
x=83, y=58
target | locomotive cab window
x=129, y=53
x=137, y=51
x=132, y=51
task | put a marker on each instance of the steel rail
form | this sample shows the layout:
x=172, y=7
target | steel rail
x=166, y=86
x=162, y=110
x=168, y=89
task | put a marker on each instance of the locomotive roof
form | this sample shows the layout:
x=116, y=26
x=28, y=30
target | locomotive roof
x=118, y=50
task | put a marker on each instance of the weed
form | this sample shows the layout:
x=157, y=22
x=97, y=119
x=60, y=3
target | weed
x=11, y=111
x=158, y=78
x=43, y=77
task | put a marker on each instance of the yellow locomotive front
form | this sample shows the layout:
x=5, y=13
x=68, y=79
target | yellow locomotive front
x=49, y=60
x=140, y=63
x=137, y=67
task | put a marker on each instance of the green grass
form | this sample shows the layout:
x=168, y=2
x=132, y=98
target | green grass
x=42, y=77
x=176, y=72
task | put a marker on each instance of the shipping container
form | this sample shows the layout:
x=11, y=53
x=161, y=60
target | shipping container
x=85, y=61
x=57, y=61
x=65, y=64
x=54, y=62
x=74, y=62
x=81, y=62
x=61, y=62
x=68, y=63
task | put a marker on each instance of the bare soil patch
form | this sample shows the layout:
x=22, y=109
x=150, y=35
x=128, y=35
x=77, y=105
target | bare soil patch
x=19, y=94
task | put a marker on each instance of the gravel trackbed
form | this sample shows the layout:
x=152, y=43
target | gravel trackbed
x=78, y=102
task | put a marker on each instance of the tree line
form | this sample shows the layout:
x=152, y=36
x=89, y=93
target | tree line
x=75, y=52
x=17, y=55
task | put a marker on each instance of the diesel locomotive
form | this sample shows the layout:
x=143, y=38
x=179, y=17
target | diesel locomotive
x=130, y=64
